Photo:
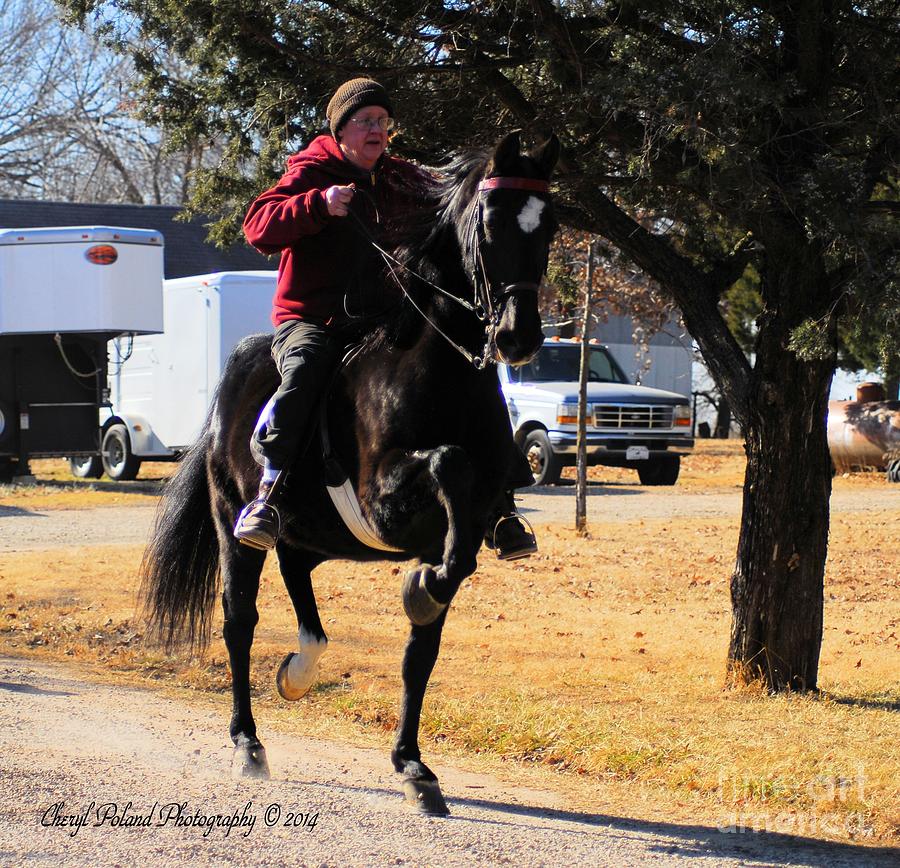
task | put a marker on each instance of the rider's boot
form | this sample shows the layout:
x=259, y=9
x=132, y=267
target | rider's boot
x=259, y=523
x=508, y=534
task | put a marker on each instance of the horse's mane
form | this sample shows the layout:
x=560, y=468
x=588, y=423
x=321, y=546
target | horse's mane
x=444, y=207
x=456, y=188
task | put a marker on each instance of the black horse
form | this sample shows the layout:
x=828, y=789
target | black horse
x=421, y=428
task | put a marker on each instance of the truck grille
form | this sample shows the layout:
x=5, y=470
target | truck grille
x=632, y=416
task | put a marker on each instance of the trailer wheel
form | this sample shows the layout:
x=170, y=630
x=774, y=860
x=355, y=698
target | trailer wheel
x=86, y=467
x=119, y=462
x=545, y=463
x=659, y=471
x=893, y=470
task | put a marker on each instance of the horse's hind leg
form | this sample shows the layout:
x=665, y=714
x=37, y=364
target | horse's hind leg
x=298, y=670
x=420, y=784
x=241, y=567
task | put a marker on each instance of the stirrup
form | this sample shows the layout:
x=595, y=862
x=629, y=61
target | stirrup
x=258, y=537
x=525, y=550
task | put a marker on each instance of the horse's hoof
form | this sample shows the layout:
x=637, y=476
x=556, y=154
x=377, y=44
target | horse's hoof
x=420, y=607
x=425, y=797
x=287, y=691
x=249, y=761
x=298, y=671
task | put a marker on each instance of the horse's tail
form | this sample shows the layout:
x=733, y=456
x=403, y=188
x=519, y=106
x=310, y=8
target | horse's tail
x=180, y=568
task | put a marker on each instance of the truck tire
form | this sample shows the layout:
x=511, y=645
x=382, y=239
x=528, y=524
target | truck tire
x=86, y=467
x=119, y=462
x=545, y=463
x=659, y=471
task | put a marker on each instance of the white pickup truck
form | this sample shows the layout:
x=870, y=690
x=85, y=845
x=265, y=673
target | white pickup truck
x=627, y=425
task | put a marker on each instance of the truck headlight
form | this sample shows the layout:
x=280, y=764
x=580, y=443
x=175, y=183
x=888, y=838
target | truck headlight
x=567, y=414
x=681, y=418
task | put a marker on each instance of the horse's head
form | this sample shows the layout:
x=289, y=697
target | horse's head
x=513, y=227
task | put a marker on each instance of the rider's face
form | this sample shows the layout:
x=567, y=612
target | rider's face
x=361, y=140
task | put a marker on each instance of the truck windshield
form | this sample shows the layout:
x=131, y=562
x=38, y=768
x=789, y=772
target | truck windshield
x=561, y=363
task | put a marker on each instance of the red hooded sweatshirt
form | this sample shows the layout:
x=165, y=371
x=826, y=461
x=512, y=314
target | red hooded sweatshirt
x=328, y=268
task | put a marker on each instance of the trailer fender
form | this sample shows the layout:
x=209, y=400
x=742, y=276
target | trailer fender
x=144, y=442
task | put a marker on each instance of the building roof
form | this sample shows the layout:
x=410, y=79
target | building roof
x=186, y=250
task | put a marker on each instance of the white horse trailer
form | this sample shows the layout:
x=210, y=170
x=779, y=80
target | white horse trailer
x=161, y=386
x=64, y=293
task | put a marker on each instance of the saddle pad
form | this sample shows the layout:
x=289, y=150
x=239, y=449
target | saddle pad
x=344, y=498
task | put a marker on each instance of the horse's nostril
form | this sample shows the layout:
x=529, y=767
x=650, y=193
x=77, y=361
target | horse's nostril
x=514, y=348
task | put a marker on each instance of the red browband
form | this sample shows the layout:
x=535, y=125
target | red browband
x=531, y=184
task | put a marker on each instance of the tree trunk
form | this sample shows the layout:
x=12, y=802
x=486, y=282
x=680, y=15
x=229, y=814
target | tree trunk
x=777, y=585
x=781, y=406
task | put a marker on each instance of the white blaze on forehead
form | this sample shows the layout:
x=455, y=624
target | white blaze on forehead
x=530, y=216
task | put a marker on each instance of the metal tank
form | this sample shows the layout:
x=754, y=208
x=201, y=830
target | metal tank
x=862, y=433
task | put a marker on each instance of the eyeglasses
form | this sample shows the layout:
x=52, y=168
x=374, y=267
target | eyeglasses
x=385, y=123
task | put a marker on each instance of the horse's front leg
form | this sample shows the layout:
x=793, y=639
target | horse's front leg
x=241, y=567
x=444, y=474
x=420, y=784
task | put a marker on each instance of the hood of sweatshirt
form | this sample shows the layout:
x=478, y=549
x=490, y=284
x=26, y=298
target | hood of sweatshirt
x=325, y=154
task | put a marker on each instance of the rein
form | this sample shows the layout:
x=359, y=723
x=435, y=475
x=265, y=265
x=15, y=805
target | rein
x=485, y=307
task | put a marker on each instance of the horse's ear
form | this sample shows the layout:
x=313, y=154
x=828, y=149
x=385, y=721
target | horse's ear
x=547, y=154
x=506, y=151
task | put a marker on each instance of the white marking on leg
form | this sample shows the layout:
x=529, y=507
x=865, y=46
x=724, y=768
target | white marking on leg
x=304, y=666
x=530, y=216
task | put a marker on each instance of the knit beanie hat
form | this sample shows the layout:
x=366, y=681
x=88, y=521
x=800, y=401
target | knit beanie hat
x=350, y=97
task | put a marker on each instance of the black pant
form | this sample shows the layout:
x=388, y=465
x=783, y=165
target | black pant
x=307, y=355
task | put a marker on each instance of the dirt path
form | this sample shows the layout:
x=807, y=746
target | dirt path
x=114, y=753
x=23, y=529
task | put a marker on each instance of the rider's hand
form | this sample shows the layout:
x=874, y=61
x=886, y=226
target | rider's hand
x=338, y=200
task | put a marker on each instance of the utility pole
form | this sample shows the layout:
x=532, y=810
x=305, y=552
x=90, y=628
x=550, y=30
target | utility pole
x=581, y=444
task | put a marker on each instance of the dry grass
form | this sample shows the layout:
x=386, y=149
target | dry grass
x=56, y=488
x=597, y=667
x=713, y=465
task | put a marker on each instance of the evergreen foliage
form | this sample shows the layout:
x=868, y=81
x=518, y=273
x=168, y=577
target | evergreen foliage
x=733, y=125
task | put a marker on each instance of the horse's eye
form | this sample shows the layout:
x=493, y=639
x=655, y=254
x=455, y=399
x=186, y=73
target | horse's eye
x=493, y=220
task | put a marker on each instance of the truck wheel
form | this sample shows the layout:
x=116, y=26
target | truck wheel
x=118, y=461
x=545, y=463
x=86, y=467
x=659, y=471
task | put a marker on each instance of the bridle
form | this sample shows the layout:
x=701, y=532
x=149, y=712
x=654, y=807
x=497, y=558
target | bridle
x=486, y=297
x=487, y=302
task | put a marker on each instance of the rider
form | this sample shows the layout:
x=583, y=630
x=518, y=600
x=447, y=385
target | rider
x=326, y=274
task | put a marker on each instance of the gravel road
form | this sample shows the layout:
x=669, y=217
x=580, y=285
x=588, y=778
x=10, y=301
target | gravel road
x=24, y=530
x=126, y=759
